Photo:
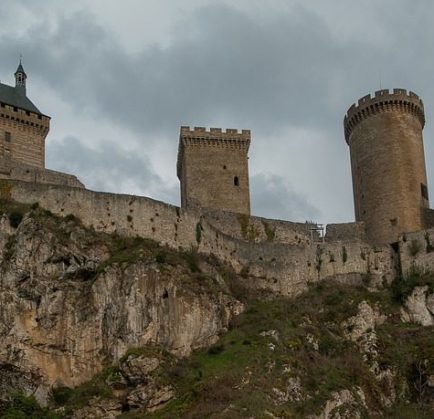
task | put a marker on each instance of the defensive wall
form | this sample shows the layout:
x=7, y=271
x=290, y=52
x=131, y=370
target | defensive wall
x=285, y=263
x=10, y=169
x=346, y=232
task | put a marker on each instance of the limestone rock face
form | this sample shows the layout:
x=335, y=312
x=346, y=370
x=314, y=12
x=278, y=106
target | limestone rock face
x=137, y=369
x=342, y=405
x=419, y=307
x=107, y=409
x=150, y=396
x=65, y=308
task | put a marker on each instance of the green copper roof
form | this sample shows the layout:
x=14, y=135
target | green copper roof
x=16, y=97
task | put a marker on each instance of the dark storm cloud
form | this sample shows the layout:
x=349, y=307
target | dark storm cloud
x=110, y=168
x=271, y=195
x=221, y=66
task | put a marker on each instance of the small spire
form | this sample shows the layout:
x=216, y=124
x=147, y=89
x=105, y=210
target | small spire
x=20, y=68
x=20, y=76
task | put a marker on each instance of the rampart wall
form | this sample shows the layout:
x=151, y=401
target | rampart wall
x=258, y=229
x=286, y=268
x=346, y=231
x=416, y=251
x=10, y=169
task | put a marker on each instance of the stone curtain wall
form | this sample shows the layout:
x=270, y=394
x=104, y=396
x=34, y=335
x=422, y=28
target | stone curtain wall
x=18, y=171
x=258, y=229
x=346, y=231
x=416, y=251
x=284, y=267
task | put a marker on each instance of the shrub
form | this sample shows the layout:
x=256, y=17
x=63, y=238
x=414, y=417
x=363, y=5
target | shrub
x=161, y=257
x=269, y=231
x=403, y=287
x=15, y=218
x=244, y=273
x=414, y=247
x=61, y=395
x=192, y=260
x=216, y=349
x=344, y=254
x=48, y=213
x=198, y=232
x=70, y=217
x=24, y=407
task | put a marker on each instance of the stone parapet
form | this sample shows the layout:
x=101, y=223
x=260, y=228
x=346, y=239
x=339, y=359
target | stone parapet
x=282, y=266
x=19, y=171
x=346, y=231
x=214, y=137
x=383, y=101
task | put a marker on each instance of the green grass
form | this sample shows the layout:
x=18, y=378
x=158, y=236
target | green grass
x=402, y=287
x=77, y=398
x=243, y=352
x=25, y=407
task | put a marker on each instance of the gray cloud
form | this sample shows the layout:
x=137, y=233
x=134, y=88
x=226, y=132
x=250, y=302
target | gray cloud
x=272, y=197
x=292, y=68
x=110, y=168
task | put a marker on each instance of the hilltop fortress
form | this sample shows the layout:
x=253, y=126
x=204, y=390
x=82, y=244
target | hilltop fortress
x=392, y=212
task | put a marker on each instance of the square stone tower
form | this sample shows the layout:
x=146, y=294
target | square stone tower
x=23, y=128
x=213, y=169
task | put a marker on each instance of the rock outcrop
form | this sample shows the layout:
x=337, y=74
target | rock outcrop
x=67, y=305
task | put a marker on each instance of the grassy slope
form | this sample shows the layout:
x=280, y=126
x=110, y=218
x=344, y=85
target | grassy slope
x=236, y=377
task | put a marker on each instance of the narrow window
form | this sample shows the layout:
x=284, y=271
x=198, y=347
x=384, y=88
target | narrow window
x=236, y=181
x=424, y=191
x=8, y=137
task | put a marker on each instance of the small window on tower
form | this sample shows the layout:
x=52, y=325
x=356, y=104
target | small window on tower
x=424, y=191
x=236, y=181
x=8, y=137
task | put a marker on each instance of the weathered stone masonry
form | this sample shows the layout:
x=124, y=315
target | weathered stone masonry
x=213, y=168
x=286, y=262
x=23, y=130
x=384, y=133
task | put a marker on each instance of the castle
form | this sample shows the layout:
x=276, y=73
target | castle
x=384, y=133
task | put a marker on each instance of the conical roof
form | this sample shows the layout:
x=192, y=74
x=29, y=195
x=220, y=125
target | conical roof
x=20, y=69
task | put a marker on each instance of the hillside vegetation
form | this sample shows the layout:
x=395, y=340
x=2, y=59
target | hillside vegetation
x=335, y=351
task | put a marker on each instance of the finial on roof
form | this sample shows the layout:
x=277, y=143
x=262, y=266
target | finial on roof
x=20, y=76
x=20, y=68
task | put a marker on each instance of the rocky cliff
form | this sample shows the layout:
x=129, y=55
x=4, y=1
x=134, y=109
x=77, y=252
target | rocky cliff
x=98, y=325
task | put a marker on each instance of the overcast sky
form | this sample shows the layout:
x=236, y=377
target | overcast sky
x=119, y=78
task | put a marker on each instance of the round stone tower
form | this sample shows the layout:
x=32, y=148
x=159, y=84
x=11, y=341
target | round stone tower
x=384, y=133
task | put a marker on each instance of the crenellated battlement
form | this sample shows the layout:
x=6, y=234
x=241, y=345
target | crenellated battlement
x=212, y=167
x=214, y=137
x=212, y=132
x=399, y=100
